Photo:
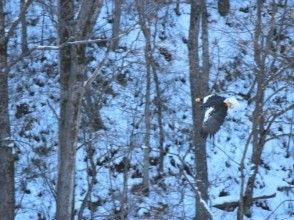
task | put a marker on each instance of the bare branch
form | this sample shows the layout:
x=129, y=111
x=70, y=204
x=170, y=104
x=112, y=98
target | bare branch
x=13, y=26
x=80, y=42
x=231, y=205
x=19, y=58
x=228, y=155
x=96, y=72
x=86, y=19
x=53, y=110
x=278, y=114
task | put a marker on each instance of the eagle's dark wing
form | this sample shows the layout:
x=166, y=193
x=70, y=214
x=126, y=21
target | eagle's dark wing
x=214, y=121
x=212, y=101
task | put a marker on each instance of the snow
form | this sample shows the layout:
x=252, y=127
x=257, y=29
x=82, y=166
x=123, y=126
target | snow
x=122, y=114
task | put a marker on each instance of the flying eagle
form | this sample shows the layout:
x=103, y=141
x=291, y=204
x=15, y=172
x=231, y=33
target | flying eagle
x=216, y=108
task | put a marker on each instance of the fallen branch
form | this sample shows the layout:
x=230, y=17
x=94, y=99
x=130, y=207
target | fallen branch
x=230, y=206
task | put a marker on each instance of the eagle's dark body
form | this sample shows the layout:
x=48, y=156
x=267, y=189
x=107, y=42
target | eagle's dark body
x=215, y=114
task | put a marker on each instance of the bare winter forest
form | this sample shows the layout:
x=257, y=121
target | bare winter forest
x=99, y=117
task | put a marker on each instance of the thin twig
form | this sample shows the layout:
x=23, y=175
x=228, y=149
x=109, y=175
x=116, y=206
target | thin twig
x=228, y=156
x=288, y=200
x=14, y=25
x=80, y=42
x=53, y=110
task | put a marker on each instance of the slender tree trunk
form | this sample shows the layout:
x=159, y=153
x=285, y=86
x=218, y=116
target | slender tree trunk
x=69, y=110
x=71, y=69
x=152, y=69
x=205, y=45
x=24, y=36
x=262, y=50
x=159, y=119
x=124, y=195
x=7, y=190
x=147, y=125
x=148, y=60
x=91, y=165
x=116, y=24
x=258, y=126
x=199, y=88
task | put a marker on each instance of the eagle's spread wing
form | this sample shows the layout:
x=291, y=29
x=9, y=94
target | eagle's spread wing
x=214, y=121
x=216, y=108
x=215, y=113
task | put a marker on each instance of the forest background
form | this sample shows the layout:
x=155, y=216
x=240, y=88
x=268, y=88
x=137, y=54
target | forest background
x=98, y=118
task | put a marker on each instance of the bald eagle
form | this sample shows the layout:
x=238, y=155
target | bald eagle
x=216, y=108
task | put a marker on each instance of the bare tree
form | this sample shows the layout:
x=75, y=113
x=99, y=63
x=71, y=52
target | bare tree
x=158, y=103
x=199, y=88
x=262, y=117
x=159, y=110
x=116, y=17
x=7, y=188
x=147, y=53
x=71, y=67
x=258, y=113
x=147, y=15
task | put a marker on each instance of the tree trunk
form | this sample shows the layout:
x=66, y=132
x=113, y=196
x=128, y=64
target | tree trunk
x=205, y=46
x=159, y=119
x=199, y=88
x=148, y=60
x=116, y=24
x=258, y=125
x=69, y=110
x=147, y=132
x=24, y=36
x=71, y=69
x=262, y=42
x=91, y=180
x=7, y=191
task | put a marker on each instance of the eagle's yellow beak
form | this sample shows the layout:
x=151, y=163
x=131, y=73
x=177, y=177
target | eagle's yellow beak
x=228, y=104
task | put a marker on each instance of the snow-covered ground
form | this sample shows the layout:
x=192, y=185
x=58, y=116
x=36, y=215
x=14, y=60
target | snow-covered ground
x=34, y=109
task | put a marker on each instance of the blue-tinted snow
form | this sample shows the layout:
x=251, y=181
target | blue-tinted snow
x=125, y=108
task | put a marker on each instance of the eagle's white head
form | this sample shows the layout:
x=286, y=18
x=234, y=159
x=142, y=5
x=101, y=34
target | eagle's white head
x=231, y=102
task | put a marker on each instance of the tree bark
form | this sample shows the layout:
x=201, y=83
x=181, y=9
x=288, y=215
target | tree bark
x=262, y=42
x=69, y=110
x=24, y=36
x=116, y=24
x=91, y=165
x=199, y=88
x=258, y=117
x=205, y=46
x=147, y=131
x=71, y=69
x=7, y=190
x=148, y=59
x=159, y=119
